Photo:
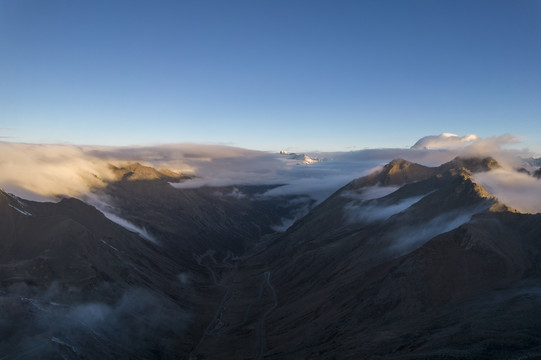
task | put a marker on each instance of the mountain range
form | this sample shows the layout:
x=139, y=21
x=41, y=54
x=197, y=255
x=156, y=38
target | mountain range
x=408, y=262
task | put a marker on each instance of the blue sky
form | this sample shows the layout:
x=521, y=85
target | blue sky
x=269, y=75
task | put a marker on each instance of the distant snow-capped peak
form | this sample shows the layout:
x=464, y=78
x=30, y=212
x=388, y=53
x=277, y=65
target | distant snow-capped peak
x=303, y=158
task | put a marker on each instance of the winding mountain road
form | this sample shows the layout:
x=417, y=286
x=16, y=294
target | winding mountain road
x=265, y=282
x=262, y=322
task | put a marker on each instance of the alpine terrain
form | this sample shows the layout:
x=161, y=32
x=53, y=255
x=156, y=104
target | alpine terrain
x=408, y=262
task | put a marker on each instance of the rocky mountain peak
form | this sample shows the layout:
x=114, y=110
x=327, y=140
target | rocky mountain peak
x=137, y=171
x=400, y=171
x=473, y=164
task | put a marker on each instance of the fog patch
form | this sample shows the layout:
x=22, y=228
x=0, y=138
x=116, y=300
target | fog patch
x=300, y=212
x=410, y=238
x=320, y=180
x=284, y=224
x=185, y=278
x=236, y=193
x=91, y=315
x=370, y=211
x=130, y=226
x=255, y=169
x=515, y=189
x=369, y=192
x=139, y=324
x=317, y=188
x=103, y=204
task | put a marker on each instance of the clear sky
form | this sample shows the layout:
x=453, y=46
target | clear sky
x=269, y=75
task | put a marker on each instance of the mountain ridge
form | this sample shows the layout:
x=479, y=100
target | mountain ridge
x=136, y=171
x=350, y=287
x=408, y=262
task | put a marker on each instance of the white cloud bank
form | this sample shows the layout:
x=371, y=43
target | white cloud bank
x=41, y=172
x=444, y=141
x=409, y=238
x=517, y=190
x=375, y=211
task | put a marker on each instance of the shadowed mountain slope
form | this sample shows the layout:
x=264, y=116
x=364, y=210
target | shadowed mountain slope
x=77, y=285
x=410, y=262
x=430, y=268
x=192, y=221
x=67, y=241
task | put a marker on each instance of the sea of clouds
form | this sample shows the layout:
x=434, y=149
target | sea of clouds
x=46, y=172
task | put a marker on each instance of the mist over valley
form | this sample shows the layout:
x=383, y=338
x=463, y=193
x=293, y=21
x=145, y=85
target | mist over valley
x=201, y=252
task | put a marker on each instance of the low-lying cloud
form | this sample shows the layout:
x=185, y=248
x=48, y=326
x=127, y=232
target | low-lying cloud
x=515, y=189
x=43, y=172
x=318, y=188
x=370, y=211
x=472, y=146
x=370, y=192
x=103, y=204
x=409, y=238
x=139, y=324
x=301, y=205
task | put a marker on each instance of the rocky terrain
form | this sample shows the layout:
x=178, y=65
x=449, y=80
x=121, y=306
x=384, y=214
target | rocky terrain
x=410, y=262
